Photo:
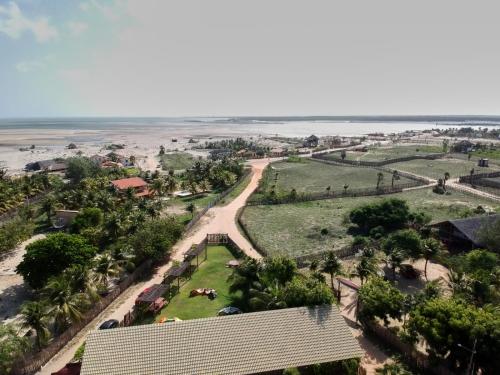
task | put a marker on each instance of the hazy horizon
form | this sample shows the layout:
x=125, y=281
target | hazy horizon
x=137, y=58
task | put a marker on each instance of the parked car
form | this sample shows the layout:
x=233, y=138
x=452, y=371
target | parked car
x=230, y=310
x=109, y=324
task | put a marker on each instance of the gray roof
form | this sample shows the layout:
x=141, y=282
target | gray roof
x=470, y=226
x=236, y=344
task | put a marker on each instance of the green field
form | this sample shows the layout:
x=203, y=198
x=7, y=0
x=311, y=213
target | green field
x=437, y=168
x=295, y=229
x=386, y=153
x=212, y=273
x=314, y=176
x=177, y=161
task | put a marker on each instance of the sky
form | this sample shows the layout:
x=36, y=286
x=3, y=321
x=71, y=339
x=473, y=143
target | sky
x=254, y=57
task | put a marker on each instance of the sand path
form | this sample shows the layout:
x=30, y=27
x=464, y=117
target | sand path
x=218, y=220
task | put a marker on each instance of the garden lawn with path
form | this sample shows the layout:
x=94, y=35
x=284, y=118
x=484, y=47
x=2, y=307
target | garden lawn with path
x=212, y=274
x=296, y=229
x=313, y=176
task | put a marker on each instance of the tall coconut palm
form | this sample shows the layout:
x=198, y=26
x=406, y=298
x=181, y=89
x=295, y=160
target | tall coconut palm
x=66, y=305
x=170, y=184
x=395, y=177
x=380, y=178
x=394, y=260
x=244, y=277
x=366, y=267
x=431, y=249
x=331, y=265
x=82, y=281
x=158, y=187
x=113, y=225
x=35, y=315
x=105, y=268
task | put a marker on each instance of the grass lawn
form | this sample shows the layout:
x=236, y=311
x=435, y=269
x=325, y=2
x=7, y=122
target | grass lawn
x=212, y=273
x=437, y=168
x=177, y=161
x=313, y=176
x=295, y=229
x=385, y=153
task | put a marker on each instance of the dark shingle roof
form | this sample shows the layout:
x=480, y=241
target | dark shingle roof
x=469, y=227
x=236, y=344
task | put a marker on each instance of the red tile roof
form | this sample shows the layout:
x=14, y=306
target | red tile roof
x=132, y=182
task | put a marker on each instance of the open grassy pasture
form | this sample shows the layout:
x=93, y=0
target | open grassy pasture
x=177, y=161
x=437, y=168
x=295, y=229
x=391, y=152
x=212, y=273
x=313, y=176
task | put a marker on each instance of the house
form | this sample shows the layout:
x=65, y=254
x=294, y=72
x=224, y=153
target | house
x=277, y=152
x=139, y=186
x=254, y=343
x=249, y=154
x=463, y=234
x=51, y=165
x=311, y=141
x=98, y=159
x=464, y=146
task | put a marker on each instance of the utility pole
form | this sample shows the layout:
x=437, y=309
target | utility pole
x=470, y=367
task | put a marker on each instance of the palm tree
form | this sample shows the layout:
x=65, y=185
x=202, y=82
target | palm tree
x=48, y=205
x=394, y=259
x=82, y=278
x=162, y=150
x=332, y=266
x=269, y=298
x=446, y=178
x=244, y=277
x=105, y=268
x=158, y=187
x=395, y=177
x=66, y=305
x=170, y=184
x=328, y=189
x=191, y=208
x=431, y=249
x=35, y=315
x=365, y=268
x=345, y=188
x=380, y=178
x=113, y=226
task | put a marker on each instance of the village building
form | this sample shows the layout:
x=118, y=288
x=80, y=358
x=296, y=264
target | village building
x=253, y=343
x=464, y=146
x=464, y=234
x=277, y=152
x=139, y=186
x=51, y=165
x=311, y=141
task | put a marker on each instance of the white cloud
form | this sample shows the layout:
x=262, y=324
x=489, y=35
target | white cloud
x=33, y=65
x=110, y=11
x=77, y=28
x=14, y=23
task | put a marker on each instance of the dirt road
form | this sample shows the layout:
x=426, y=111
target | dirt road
x=218, y=220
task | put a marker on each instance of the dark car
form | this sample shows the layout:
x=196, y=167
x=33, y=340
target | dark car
x=108, y=324
x=229, y=311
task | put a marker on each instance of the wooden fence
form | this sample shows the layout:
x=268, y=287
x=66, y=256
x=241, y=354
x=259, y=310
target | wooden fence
x=215, y=201
x=468, y=179
x=380, y=163
x=32, y=362
x=307, y=197
x=414, y=357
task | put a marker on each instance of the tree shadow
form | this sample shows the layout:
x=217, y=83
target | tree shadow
x=11, y=299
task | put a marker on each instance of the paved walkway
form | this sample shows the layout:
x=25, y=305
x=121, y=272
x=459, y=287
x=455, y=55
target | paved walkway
x=219, y=219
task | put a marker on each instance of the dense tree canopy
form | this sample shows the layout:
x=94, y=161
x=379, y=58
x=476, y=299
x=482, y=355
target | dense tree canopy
x=490, y=236
x=80, y=168
x=445, y=323
x=406, y=240
x=390, y=214
x=89, y=217
x=379, y=299
x=11, y=348
x=52, y=255
x=155, y=239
